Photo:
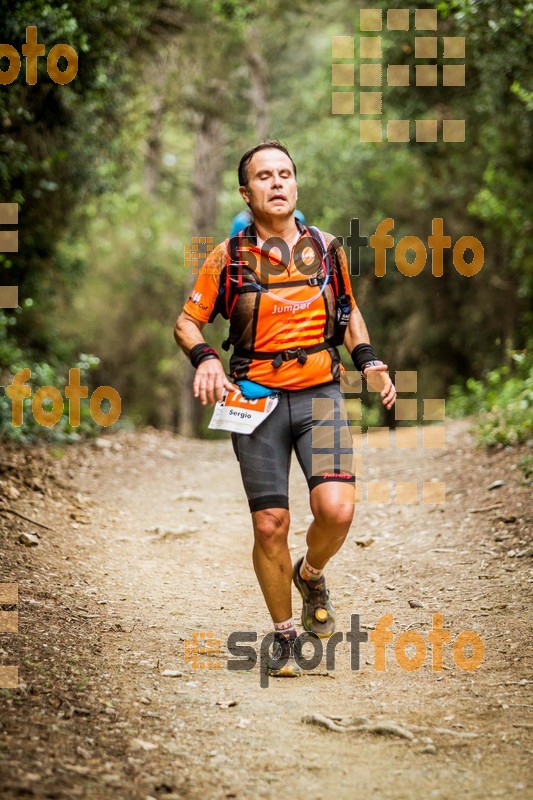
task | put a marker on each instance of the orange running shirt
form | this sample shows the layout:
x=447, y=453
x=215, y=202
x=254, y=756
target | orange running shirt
x=286, y=316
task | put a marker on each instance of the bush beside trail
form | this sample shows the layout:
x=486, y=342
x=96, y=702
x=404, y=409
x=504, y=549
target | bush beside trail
x=502, y=402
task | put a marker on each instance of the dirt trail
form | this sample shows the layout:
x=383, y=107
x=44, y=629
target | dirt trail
x=106, y=605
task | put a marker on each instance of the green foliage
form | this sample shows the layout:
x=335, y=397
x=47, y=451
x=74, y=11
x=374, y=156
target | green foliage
x=58, y=144
x=503, y=402
x=525, y=464
x=370, y=411
x=100, y=267
x=42, y=374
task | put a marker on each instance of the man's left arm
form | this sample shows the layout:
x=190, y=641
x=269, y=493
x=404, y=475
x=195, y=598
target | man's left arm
x=356, y=336
x=377, y=375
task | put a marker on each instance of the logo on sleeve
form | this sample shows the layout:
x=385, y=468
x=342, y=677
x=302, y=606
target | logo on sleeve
x=195, y=298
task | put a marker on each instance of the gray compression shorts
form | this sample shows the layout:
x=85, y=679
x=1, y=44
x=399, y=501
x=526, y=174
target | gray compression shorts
x=313, y=422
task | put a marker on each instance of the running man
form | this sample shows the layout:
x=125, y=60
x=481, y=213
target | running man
x=288, y=312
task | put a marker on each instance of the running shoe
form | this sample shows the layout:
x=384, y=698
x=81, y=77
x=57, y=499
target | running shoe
x=318, y=614
x=282, y=663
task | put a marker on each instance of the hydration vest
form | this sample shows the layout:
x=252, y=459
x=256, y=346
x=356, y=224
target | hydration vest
x=238, y=277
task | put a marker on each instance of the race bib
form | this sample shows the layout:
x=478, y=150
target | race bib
x=237, y=414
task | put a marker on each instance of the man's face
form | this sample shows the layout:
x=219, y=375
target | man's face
x=272, y=189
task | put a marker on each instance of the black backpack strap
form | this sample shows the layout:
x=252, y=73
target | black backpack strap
x=231, y=278
x=343, y=304
x=234, y=273
x=277, y=358
x=331, y=261
x=342, y=287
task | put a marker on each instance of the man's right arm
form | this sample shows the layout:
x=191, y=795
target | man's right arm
x=187, y=332
x=210, y=379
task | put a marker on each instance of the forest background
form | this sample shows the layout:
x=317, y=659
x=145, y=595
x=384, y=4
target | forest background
x=115, y=172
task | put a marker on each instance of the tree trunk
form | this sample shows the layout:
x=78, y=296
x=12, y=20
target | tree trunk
x=152, y=162
x=207, y=181
x=259, y=85
x=157, y=79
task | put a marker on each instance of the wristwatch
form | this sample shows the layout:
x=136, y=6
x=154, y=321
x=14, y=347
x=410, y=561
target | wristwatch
x=369, y=364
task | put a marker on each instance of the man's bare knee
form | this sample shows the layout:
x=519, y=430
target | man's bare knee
x=331, y=515
x=271, y=528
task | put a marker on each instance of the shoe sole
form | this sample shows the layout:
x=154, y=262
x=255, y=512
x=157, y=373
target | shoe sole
x=282, y=673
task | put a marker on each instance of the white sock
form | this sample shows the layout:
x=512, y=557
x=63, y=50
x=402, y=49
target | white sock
x=309, y=573
x=285, y=627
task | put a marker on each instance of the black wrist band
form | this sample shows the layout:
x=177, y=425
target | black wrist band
x=362, y=354
x=201, y=352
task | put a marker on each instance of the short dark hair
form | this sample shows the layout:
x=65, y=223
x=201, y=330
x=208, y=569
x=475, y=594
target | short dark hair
x=247, y=157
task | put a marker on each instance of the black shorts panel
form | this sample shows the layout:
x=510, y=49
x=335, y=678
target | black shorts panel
x=314, y=423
